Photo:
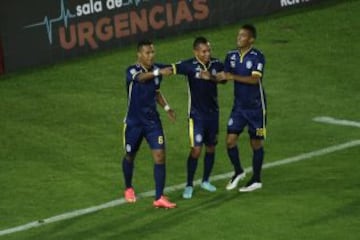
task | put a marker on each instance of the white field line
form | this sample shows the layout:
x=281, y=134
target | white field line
x=342, y=122
x=121, y=201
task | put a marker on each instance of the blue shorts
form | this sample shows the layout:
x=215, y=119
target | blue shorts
x=133, y=136
x=203, y=131
x=254, y=119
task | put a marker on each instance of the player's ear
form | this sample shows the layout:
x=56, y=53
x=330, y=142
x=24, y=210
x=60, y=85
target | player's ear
x=195, y=52
x=252, y=40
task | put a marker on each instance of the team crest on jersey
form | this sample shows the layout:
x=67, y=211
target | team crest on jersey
x=132, y=71
x=198, y=138
x=249, y=64
x=260, y=67
x=232, y=64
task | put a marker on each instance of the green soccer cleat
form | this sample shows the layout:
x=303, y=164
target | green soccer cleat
x=208, y=186
x=188, y=191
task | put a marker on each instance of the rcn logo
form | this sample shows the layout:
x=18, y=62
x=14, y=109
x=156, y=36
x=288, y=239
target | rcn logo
x=285, y=3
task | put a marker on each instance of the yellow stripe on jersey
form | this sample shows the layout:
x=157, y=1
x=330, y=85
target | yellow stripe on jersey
x=242, y=55
x=191, y=132
x=263, y=108
x=264, y=123
x=256, y=73
x=124, y=132
x=174, y=68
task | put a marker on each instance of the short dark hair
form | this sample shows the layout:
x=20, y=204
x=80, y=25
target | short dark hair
x=144, y=42
x=250, y=28
x=199, y=40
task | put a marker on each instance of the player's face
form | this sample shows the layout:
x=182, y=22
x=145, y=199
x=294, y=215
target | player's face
x=146, y=55
x=203, y=52
x=244, y=39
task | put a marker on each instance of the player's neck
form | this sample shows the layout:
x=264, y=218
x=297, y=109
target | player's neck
x=203, y=63
x=243, y=50
x=144, y=65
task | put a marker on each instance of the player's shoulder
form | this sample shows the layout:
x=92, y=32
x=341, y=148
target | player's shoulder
x=161, y=65
x=256, y=52
x=133, y=68
x=190, y=61
x=232, y=52
x=215, y=60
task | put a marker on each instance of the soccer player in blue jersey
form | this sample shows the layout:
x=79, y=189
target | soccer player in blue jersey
x=142, y=120
x=245, y=66
x=201, y=72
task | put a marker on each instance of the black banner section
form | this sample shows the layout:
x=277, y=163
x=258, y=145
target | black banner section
x=53, y=30
x=2, y=68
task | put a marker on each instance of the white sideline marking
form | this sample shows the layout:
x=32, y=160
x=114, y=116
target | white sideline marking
x=335, y=121
x=121, y=201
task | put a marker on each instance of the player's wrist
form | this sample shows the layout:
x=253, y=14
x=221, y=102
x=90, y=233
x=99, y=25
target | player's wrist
x=156, y=72
x=230, y=77
x=167, y=108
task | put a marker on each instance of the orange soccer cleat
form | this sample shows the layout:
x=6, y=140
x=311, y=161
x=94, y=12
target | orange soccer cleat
x=163, y=202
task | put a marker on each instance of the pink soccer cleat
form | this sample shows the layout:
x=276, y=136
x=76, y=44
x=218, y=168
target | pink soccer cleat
x=130, y=195
x=163, y=202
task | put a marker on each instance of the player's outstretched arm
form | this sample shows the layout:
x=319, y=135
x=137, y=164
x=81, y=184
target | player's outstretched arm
x=167, y=71
x=253, y=79
x=146, y=76
x=221, y=77
x=161, y=100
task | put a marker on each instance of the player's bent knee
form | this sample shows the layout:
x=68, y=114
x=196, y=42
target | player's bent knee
x=129, y=158
x=210, y=149
x=231, y=140
x=256, y=143
x=230, y=143
x=159, y=156
x=195, y=152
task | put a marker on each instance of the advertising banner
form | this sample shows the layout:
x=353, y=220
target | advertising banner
x=53, y=30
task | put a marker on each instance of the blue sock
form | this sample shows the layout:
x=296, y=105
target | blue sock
x=159, y=176
x=258, y=158
x=234, y=156
x=208, y=165
x=128, y=168
x=191, y=169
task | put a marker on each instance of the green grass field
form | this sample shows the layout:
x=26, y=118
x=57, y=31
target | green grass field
x=61, y=141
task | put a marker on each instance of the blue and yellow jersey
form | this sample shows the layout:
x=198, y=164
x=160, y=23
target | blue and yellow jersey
x=203, y=103
x=141, y=96
x=252, y=62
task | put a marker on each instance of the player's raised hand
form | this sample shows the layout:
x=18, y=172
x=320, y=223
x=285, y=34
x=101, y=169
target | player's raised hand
x=172, y=116
x=166, y=71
